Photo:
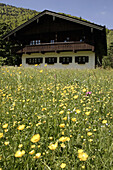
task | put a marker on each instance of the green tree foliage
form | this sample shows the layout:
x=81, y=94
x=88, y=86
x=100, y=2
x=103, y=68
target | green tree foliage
x=10, y=18
x=109, y=34
x=108, y=60
x=110, y=53
x=14, y=16
x=4, y=45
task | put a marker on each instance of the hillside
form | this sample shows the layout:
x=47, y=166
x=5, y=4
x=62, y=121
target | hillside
x=14, y=16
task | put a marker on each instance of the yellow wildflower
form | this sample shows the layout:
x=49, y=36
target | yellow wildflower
x=62, y=125
x=80, y=151
x=5, y=126
x=84, y=90
x=90, y=140
x=43, y=109
x=0, y=157
x=53, y=146
x=5, y=130
x=75, y=97
x=37, y=156
x=67, y=139
x=35, y=138
x=6, y=143
x=63, y=165
x=41, y=71
x=19, y=153
x=21, y=127
x=83, y=166
x=64, y=139
x=87, y=113
x=32, y=146
x=63, y=145
x=1, y=135
x=51, y=138
x=62, y=132
x=89, y=133
x=61, y=112
x=82, y=156
x=20, y=145
x=32, y=152
x=104, y=121
x=64, y=118
x=73, y=119
x=78, y=111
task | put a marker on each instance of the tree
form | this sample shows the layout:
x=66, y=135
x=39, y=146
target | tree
x=108, y=60
x=4, y=46
x=110, y=53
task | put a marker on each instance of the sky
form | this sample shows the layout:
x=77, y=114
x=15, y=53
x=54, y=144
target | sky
x=96, y=11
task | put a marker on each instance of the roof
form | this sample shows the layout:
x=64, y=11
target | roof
x=62, y=16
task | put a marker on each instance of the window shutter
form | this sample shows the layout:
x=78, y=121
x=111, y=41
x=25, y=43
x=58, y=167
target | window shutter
x=46, y=60
x=76, y=59
x=87, y=59
x=60, y=60
x=70, y=59
x=27, y=60
x=55, y=59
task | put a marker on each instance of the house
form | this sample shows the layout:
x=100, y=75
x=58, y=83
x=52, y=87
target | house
x=59, y=41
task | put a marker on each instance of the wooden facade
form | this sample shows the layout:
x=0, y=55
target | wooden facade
x=54, y=32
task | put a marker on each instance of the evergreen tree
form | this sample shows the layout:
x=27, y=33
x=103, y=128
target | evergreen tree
x=4, y=46
x=108, y=60
x=110, y=53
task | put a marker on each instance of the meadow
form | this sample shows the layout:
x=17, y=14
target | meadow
x=56, y=119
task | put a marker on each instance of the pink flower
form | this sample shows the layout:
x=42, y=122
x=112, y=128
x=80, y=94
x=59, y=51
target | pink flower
x=89, y=92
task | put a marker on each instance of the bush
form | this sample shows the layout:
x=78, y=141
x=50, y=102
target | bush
x=106, y=62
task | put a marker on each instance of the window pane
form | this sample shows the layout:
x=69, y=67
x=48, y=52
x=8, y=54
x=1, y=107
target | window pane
x=81, y=59
x=65, y=60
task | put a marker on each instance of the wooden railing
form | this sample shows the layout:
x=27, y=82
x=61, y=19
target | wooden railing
x=56, y=47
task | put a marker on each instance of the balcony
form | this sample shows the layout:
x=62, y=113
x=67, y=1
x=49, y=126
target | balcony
x=54, y=47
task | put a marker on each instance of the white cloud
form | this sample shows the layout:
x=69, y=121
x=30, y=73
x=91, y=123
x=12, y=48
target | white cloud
x=103, y=13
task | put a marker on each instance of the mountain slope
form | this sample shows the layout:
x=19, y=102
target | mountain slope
x=14, y=16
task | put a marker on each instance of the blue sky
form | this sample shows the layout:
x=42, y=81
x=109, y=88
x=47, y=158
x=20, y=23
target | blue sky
x=97, y=11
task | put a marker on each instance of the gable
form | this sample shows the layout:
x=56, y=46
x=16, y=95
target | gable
x=42, y=19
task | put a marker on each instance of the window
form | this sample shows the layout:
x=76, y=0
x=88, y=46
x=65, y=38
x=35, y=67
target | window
x=34, y=60
x=82, y=59
x=52, y=41
x=35, y=42
x=67, y=38
x=31, y=43
x=51, y=60
x=65, y=60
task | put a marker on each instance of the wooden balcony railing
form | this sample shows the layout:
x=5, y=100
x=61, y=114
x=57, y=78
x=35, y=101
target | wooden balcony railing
x=55, y=47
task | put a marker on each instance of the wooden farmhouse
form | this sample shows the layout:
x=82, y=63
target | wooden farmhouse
x=59, y=41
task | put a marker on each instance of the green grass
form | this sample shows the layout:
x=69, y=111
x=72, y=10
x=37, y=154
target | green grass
x=35, y=98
